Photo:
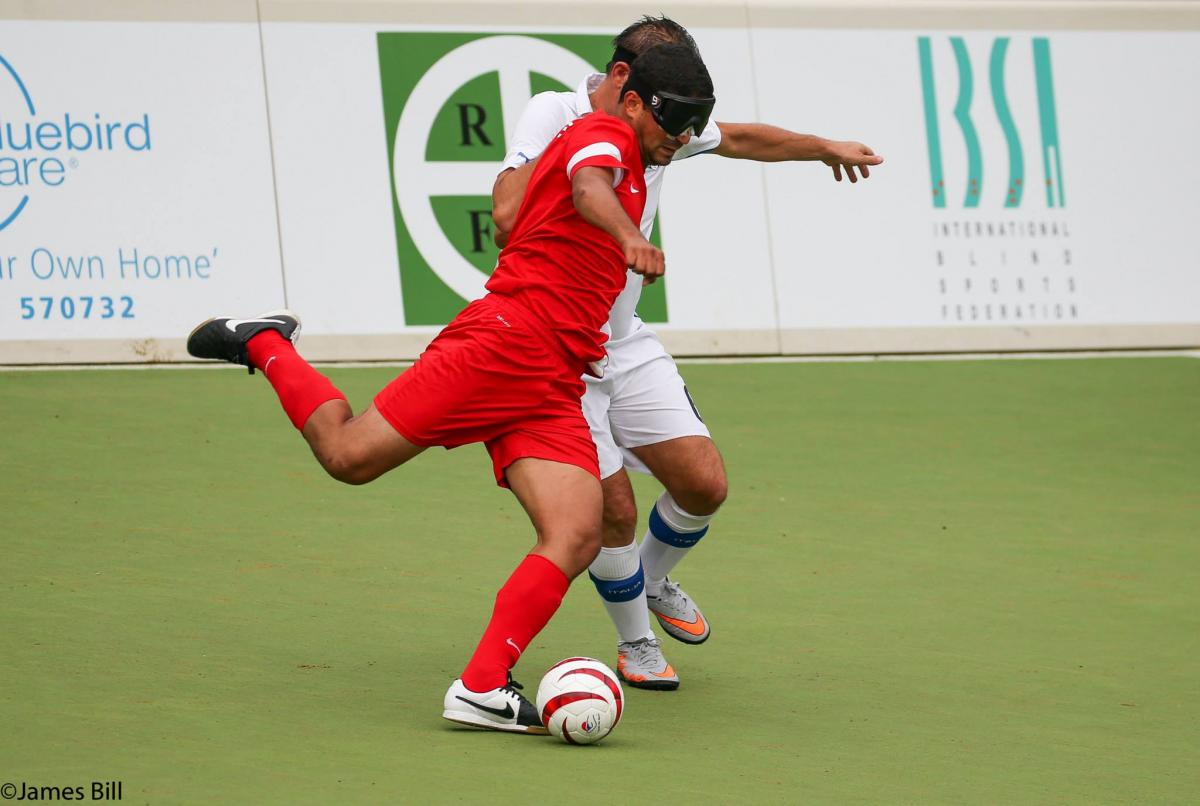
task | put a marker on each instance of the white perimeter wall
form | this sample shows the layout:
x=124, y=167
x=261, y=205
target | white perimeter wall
x=186, y=159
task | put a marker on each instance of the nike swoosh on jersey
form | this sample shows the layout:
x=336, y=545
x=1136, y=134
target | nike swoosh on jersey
x=504, y=713
x=633, y=188
x=232, y=324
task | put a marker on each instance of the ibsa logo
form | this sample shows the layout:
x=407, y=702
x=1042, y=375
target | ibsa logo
x=38, y=151
x=450, y=101
x=590, y=724
x=1013, y=102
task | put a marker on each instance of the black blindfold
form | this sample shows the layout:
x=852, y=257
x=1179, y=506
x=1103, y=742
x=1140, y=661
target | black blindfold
x=676, y=114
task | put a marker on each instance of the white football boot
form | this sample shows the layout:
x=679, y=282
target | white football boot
x=501, y=708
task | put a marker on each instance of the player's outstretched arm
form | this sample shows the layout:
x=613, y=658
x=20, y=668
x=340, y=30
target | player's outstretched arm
x=758, y=141
x=592, y=193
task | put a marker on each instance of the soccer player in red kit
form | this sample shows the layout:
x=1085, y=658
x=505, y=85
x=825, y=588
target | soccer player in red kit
x=507, y=371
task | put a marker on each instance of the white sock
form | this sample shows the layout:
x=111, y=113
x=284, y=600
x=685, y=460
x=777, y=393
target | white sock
x=617, y=574
x=672, y=534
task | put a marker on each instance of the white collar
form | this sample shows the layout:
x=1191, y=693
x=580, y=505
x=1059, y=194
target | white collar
x=583, y=98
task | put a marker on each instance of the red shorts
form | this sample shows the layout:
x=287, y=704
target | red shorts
x=494, y=376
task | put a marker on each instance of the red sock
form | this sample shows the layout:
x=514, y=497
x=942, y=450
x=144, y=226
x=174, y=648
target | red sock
x=523, y=606
x=301, y=388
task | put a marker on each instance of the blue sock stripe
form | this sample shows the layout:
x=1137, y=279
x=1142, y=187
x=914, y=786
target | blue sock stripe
x=680, y=540
x=620, y=590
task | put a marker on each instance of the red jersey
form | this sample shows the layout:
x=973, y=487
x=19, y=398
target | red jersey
x=564, y=270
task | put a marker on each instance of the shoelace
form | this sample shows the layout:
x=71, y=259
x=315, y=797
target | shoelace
x=673, y=595
x=641, y=649
x=512, y=686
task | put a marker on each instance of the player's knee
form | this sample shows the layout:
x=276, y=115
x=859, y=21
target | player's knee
x=587, y=542
x=344, y=471
x=716, y=491
x=704, y=494
x=580, y=543
x=348, y=466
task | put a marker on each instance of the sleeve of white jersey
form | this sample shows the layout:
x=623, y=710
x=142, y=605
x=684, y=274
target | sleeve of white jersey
x=543, y=118
x=709, y=139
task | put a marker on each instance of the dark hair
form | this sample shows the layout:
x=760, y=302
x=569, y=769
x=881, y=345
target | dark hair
x=677, y=69
x=645, y=34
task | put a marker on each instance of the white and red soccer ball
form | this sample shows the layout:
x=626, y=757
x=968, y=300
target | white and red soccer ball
x=579, y=700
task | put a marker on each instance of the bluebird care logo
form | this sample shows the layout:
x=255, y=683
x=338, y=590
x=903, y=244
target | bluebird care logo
x=39, y=150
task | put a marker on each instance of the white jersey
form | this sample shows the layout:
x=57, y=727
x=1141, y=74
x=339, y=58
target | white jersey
x=545, y=117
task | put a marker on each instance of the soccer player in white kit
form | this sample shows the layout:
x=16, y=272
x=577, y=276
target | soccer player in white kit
x=640, y=413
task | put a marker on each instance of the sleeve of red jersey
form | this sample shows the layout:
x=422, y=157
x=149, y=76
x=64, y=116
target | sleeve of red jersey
x=600, y=141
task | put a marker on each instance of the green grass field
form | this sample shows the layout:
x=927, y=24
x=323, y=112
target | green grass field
x=933, y=582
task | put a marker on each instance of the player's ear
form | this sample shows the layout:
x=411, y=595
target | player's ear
x=632, y=104
x=619, y=73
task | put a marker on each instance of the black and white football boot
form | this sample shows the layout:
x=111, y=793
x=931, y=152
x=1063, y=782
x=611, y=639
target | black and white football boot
x=224, y=338
x=503, y=708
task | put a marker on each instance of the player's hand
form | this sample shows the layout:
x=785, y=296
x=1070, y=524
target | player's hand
x=644, y=258
x=848, y=155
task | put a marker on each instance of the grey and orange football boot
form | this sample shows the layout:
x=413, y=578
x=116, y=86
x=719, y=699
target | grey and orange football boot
x=641, y=664
x=678, y=615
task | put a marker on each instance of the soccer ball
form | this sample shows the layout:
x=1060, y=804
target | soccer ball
x=580, y=700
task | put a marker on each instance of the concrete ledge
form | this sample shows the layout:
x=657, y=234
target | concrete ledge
x=689, y=343
x=389, y=347
x=819, y=341
x=130, y=10
x=996, y=15
x=395, y=347
x=682, y=343
x=539, y=14
x=94, y=351
x=1046, y=15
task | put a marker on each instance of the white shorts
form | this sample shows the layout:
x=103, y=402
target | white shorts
x=641, y=400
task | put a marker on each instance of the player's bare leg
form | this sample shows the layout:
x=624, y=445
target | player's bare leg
x=352, y=449
x=617, y=575
x=564, y=504
x=619, y=527
x=692, y=470
x=693, y=473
